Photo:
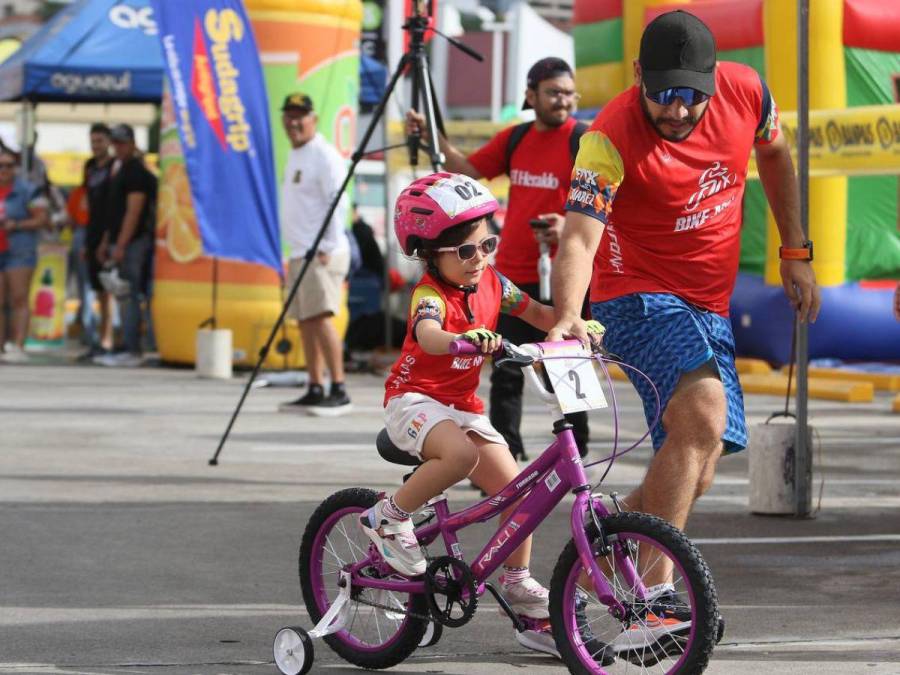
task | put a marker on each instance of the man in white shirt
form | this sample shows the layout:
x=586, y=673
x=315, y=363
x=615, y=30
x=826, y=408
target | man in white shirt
x=313, y=174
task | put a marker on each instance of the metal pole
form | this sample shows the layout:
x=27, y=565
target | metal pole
x=802, y=451
x=496, y=73
x=27, y=141
x=393, y=27
x=215, y=290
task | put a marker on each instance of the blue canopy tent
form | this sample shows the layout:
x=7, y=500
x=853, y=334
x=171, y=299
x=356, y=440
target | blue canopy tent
x=104, y=51
x=93, y=51
x=372, y=80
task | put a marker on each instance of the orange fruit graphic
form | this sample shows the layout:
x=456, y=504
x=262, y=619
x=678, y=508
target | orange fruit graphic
x=183, y=241
x=166, y=208
x=175, y=215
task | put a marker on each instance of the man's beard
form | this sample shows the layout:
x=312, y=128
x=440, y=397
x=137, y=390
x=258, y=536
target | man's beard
x=689, y=120
x=549, y=120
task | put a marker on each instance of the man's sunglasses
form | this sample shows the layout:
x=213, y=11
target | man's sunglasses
x=467, y=251
x=688, y=95
x=7, y=165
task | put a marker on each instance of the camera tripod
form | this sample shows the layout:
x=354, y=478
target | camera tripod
x=415, y=61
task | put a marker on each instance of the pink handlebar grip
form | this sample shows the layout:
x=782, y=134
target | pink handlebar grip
x=463, y=347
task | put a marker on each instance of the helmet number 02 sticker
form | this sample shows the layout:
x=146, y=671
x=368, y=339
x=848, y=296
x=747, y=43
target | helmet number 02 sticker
x=458, y=193
x=575, y=384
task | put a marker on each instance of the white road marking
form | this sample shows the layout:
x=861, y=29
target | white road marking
x=799, y=540
x=316, y=447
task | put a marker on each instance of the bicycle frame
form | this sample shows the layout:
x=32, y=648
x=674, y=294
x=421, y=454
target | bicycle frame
x=543, y=483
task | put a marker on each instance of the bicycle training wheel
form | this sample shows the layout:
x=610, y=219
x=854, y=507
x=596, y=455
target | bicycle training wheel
x=373, y=637
x=671, y=629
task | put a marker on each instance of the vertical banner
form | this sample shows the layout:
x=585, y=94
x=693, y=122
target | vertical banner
x=222, y=112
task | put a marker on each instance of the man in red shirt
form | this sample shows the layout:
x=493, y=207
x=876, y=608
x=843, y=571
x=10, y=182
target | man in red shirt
x=661, y=172
x=538, y=159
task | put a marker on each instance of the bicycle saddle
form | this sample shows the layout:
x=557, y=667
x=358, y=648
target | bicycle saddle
x=392, y=453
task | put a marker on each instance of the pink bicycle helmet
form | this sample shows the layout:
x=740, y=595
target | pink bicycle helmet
x=437, y=202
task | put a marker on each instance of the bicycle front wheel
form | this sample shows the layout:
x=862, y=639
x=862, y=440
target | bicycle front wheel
x=666, y=588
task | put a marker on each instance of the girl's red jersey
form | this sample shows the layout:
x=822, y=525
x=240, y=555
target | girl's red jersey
x=451, y=380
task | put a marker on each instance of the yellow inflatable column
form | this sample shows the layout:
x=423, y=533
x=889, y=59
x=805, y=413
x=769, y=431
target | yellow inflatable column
x=827, y=90
x=633, y=27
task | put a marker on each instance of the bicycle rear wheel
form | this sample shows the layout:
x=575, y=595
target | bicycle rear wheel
x=372, y=637
x=669, y=629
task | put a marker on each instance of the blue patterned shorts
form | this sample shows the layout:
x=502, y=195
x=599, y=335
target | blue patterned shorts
x=664, y=336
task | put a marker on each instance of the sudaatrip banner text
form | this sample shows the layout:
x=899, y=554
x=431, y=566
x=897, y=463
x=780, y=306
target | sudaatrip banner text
x=222, y=112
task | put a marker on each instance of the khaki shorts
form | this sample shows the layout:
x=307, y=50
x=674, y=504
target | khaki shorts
x=409, y=418
x=322, y=289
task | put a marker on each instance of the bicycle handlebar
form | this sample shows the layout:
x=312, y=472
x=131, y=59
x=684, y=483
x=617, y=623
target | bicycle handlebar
x=526, y=355
x=534, y=350
x=458, y=347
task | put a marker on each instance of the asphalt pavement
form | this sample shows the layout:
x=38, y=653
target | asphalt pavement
x=122, y=551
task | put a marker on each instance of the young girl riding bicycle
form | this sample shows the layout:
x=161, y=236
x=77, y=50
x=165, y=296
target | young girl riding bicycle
x=431, y=407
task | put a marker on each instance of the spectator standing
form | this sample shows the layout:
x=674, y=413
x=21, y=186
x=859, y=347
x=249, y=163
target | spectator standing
x=23, y=212
x=77, y=219
x=313, y=174
x=127, y=243
x=538, y=159
x=371, y=258
x=97, y=171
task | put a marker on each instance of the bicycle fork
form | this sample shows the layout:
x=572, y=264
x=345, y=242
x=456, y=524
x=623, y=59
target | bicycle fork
x=603, y=546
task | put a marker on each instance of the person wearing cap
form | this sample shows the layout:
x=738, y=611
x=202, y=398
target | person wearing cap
x=127, y=243
x=654, y=208
x=313, y=173
x=538, y=159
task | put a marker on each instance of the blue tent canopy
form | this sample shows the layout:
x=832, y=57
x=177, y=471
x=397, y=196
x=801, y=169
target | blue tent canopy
x=107, y=51
x=372, y=80
x=91, y=51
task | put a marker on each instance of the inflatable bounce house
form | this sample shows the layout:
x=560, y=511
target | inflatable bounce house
x=305, y=45
x=854, y=86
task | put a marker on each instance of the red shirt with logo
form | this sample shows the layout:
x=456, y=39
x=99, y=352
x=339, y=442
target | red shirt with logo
x=451, y=380
x=538, y=183
x=672, y=211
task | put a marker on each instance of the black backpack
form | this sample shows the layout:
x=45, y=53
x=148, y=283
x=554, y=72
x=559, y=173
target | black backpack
x=519, y=131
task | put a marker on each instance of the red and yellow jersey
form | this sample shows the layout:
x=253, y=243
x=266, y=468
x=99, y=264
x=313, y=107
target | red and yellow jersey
x=539, y=172
x=672, y=210
x=451, y=380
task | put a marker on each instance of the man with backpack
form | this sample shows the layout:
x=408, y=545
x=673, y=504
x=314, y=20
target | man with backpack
x=538, y=157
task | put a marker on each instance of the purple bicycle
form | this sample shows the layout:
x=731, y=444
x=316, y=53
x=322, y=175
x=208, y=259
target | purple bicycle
x=629, y=593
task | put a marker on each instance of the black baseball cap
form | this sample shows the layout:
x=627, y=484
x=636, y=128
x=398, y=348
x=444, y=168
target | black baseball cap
x=678, y=50
x=297, y=101
x=545, y=69
x=122, y=132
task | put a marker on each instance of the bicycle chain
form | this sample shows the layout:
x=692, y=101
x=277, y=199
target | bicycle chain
x=394, y=610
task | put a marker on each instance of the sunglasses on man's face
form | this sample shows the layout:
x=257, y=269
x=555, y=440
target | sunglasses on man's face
x=467, y=251
x=7, y=165
x=687, y=95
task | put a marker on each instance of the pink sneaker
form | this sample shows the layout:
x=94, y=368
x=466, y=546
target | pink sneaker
x=395, y=539
x=527, y=598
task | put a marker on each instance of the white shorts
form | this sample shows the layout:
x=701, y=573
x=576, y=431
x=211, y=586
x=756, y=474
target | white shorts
x=409, y=418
